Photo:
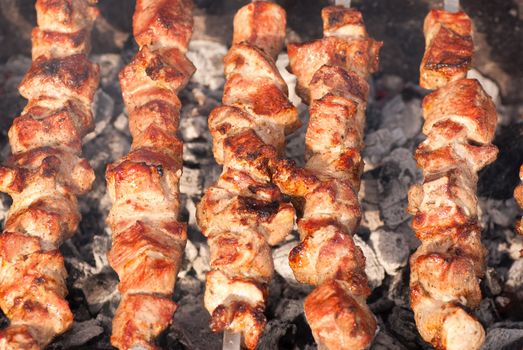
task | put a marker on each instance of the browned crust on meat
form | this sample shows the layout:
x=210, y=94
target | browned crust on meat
x=165, y=23
x=244, y=316
x=244, y=213
x=359, y=56
x=148, y=239
x=261, y=24
x=73, y=77
x=332, y=74
x=449, y=48
x=133, y=331
x=45, y=174
x=460, y=123
x=346, y=322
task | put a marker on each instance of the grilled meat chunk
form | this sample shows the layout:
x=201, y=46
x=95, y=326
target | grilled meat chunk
x=148, y=239
x=46, y=173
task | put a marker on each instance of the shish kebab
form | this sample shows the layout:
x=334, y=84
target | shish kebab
x=460, y=123
x=148, y=239
x=332, y=75
x=45, y=174
x=243, y=213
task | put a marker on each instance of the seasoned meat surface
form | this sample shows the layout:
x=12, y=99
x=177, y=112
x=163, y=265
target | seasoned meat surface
x=332, y=77
x=148, y=239
x=243, y=213
x=460, y=122
x=45, y=174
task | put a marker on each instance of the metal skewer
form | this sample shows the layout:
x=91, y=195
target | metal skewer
x=231, y=340
x=452, y=5
x=345, y=3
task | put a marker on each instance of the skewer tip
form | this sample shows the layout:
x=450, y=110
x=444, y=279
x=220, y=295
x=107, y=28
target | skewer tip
x=231, y=340
x=452, y=5
x=345, y=3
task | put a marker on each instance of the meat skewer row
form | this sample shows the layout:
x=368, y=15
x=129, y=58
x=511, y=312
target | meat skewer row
x=148, y=239
x=332, y=77
x=243, y=213
x=460, y=123
x=45, y=173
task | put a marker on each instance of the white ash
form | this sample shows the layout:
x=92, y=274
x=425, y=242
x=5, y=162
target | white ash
x=191, y=182
x=282, y=63
x=514, y=280
x=374, y=270
x=190, y=254
x=504, y=336
x=369, y=199
x=190, y=206
x=499, y=212
x=194, y=128
x=207, y=57
x=392, y=249
x=103, y=106
x=371, y=217
x=197, y=153
x=110, y=66
x=201, y=263
x=280, y=256
x=379, y=143
x=122, y=122
x=402, y=115
x=515, y=245
x=490, y=87
x=4, y=207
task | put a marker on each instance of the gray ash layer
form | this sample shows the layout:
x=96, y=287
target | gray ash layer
x=393, y=131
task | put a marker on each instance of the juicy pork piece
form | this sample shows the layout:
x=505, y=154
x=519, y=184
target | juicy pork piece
x=163, y=23
x=148, y=239
x=339, y=317
x=243, y=213
x=460, y=122
x=345, y=45
x=64, y=27
x=262, y=25
x=332, y=74
x=448, y=48
x=45, y=174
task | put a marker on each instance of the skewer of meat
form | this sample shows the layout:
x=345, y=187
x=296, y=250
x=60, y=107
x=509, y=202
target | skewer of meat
x=332, y=78
x=45, y=174
x=460, y=122
x=148, y=239
x=243, y=213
